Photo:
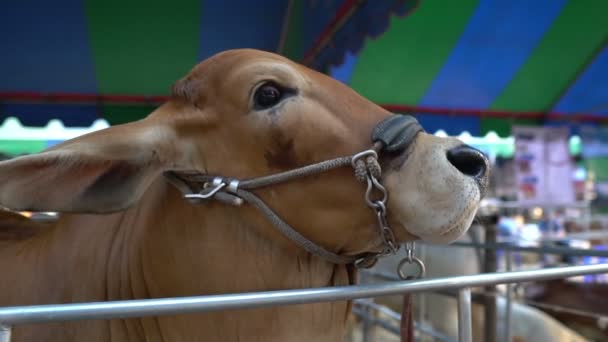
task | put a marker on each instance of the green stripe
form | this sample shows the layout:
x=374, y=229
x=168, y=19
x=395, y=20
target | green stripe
x=18, y=147
x=142, y=46
x=412, y=52
x=118, y=114
x=566, y=48
x=293, y=44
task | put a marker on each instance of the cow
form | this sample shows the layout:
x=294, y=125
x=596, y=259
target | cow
x=126, y=230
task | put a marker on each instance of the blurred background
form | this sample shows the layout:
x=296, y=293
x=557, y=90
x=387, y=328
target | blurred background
x=526, y=82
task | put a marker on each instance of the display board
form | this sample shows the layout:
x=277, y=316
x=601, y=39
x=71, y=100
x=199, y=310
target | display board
x=544, y=168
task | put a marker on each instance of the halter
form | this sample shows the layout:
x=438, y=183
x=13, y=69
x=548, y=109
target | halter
x=391, y=135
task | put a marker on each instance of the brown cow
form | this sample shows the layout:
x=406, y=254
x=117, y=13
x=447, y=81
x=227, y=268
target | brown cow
x=127, y=232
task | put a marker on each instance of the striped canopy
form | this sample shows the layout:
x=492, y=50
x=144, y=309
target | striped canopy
x=484, y=65
x=79, y=60
x=468, y=65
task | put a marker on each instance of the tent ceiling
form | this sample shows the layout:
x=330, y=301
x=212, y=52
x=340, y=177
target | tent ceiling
x=464, y=65
x=139, y=48
x=489, y=55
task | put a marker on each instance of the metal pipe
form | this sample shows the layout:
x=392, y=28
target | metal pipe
x=366, y=325
x=5, y=333
x=490, y=301
x=420, y=327
x=465, y=325
x=181, y=305
x=421, y=300
x=380, y=308
x=509, y=296
x=539, y=250
x=363, y=314
x=366, y=328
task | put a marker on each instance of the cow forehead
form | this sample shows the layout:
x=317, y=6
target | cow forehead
x=248, y=66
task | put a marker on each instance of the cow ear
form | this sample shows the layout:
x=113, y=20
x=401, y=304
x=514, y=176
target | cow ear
x=101, y=172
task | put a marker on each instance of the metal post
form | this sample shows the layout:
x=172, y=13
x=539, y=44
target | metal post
x=5, y=333
x=421, y=299
x=490, y=266
x=367, y=325
x=465, y=328
x=508, y=303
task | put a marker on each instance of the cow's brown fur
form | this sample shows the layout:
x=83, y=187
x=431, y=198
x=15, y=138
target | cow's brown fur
x=127, y=233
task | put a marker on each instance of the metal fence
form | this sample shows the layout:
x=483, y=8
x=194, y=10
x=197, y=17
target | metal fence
x=11, y=316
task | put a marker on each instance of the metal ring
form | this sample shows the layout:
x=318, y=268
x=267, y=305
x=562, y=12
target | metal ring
x=415, y=260
x=233, y=186
x=360, y=155
x=207, y=192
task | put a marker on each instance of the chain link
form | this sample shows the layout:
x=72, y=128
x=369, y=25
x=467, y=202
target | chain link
x=376, y=197
x=410, y=248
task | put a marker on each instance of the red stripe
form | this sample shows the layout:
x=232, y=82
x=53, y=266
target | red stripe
x=79, y=98
x=553, y=116
x=140, y=99
x=344, y=10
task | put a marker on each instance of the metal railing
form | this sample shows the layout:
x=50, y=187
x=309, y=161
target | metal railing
x=11, y=316
x=544, y=249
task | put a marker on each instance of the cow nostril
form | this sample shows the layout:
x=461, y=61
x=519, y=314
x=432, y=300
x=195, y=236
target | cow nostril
x=468, y=160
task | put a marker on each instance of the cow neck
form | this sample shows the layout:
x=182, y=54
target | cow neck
x=176, y=236
x=178, y=249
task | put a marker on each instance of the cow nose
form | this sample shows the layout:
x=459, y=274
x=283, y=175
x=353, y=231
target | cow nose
x=468, y=160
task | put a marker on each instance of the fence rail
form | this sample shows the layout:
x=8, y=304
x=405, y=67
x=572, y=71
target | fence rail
x=10, y=316
x=568, y=251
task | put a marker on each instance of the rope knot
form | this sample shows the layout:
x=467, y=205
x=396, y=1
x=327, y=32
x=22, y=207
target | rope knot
x=360, y=171
x=373, y=167
x=367, y=167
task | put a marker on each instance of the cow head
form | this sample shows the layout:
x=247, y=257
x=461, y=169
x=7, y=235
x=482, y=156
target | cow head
x=244, y=114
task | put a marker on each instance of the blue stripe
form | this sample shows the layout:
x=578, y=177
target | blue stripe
x=495, y=44
x=344, y=72
x=589, y=94
x=51, y=143
x=370, y=20
x=317, y=15
x=235, y=24
x=45, y=47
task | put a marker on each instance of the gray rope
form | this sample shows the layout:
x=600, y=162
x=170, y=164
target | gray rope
x=259, y=182
x=308, y=170
x=291, y=233
x=361, y=170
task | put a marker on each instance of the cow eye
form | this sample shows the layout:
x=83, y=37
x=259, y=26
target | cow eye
x=267, y=95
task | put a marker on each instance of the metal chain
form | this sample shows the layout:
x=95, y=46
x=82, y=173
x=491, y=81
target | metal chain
x=376, y=196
